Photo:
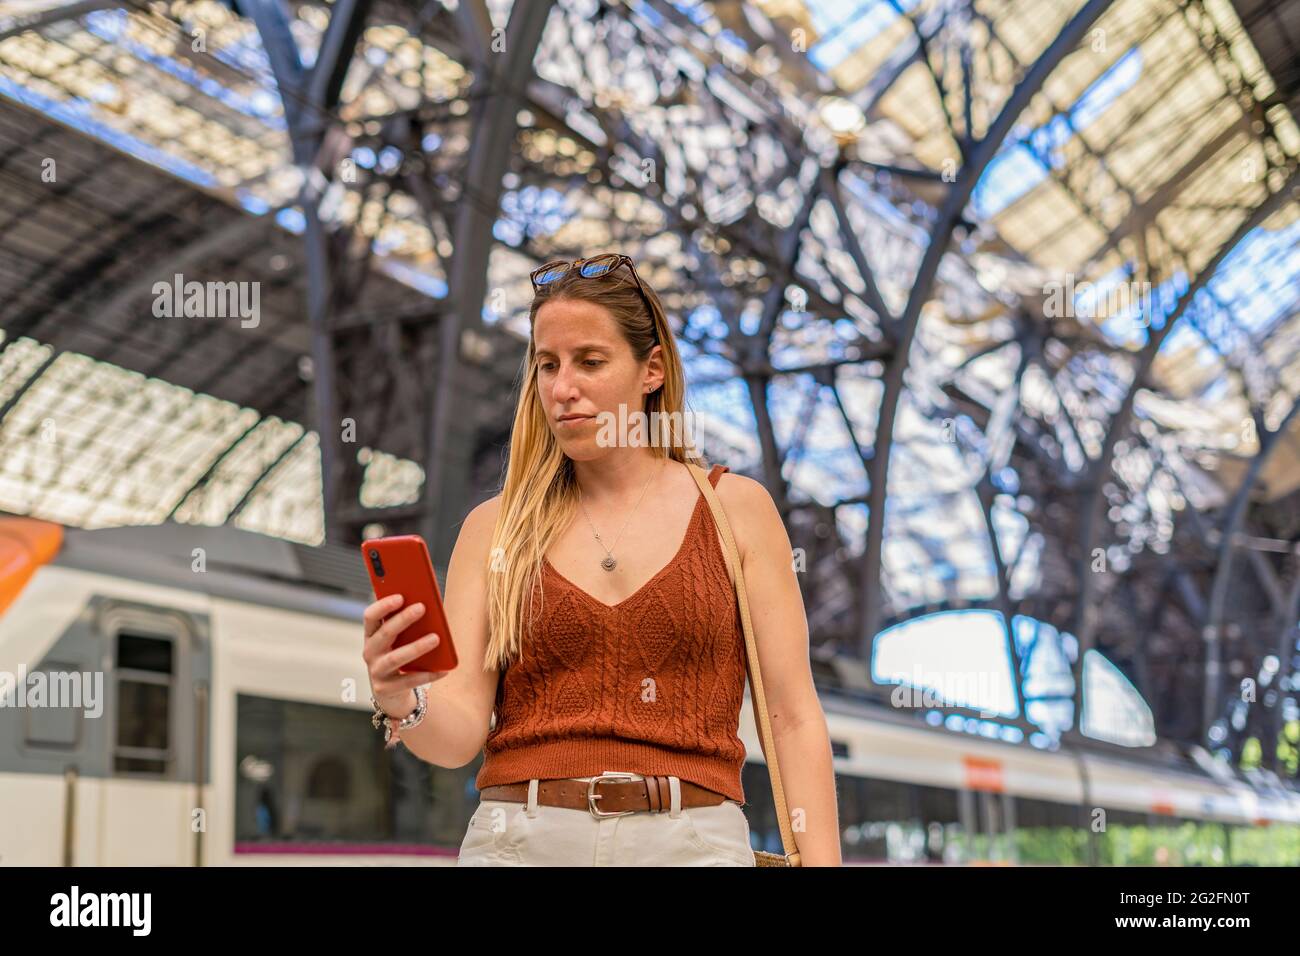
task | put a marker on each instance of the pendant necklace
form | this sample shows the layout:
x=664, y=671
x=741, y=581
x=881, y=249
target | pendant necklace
x=608, y=562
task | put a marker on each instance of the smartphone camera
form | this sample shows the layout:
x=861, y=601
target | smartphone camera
x=376, y=563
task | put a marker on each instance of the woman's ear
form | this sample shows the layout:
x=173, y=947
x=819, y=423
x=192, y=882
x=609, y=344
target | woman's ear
x=654, y=369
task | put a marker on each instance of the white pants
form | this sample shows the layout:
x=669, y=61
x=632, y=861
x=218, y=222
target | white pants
x=505, y=833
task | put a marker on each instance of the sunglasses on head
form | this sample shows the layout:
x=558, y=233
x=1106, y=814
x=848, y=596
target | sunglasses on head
x=590, y=268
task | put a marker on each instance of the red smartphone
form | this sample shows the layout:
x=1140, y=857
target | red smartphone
x=401, y=565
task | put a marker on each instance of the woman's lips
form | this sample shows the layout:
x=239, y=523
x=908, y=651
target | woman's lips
x=575, y=421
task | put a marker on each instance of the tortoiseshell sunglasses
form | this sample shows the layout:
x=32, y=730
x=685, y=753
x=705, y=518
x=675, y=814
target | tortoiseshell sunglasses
x=589, y=268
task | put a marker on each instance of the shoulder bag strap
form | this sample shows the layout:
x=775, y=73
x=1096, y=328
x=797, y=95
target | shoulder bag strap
x=737, y=575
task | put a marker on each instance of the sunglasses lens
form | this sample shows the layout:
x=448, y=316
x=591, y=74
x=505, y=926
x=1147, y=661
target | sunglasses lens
x=553, y=274
x=598, y=267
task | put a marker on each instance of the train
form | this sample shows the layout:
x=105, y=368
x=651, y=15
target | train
x=187, y=695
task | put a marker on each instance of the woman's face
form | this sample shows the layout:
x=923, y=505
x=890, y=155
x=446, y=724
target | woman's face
x=585, y=367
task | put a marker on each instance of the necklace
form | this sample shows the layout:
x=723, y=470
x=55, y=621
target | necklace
x=608, y=562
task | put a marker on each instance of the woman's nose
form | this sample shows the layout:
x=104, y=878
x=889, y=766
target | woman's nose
x=562, y=386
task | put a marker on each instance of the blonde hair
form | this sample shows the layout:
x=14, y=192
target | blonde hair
x=539, y=494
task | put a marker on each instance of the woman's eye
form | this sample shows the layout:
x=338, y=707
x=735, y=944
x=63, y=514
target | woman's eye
x=547, y=366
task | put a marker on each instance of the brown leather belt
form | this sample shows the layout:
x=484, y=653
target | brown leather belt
x=616, y=793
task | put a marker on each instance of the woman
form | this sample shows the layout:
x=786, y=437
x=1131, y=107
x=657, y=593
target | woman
x=595, y=592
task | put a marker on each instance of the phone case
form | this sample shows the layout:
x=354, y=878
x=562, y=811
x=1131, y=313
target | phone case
x=407, y=570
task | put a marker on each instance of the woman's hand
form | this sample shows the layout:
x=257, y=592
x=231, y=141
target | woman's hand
x=394, y=691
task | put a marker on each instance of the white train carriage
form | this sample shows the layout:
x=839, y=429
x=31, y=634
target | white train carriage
x=231, y=726
x=186, y=625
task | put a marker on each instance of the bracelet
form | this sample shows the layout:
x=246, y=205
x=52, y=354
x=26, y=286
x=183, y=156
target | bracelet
x=405, y=723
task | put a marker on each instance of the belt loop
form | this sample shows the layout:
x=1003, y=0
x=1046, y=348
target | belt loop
x=531, y=808
x=675, y=786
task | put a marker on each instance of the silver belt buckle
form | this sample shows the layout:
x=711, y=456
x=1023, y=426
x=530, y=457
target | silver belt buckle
x=593, y=796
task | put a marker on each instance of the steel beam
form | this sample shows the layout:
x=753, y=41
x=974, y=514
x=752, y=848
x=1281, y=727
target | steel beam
x=1236, y=512
x=1083, y=622
x=69, y=11
x=446, y=464
x=982, y=153
x=871, y=294
x=309, y=97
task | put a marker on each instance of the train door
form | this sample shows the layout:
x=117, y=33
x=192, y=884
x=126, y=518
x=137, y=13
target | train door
x=994, y=824
x=157, y=740
x=988, y=814
x=114, y=766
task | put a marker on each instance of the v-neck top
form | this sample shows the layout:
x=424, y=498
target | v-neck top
x=700, y=505
x=650, y=685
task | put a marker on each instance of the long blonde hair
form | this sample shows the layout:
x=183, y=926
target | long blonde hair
x=539, y=493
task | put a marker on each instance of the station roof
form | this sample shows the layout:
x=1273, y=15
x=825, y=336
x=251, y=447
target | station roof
x=1144, y=153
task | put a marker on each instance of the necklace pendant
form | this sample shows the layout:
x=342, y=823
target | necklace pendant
x=608, y=564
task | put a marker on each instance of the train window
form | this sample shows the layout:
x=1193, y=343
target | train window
x=1277, y=844
x=145, y=677
x=316, y=773
x=1149, y=839
x=896, y=822
x=880, y=820
x=1048, y=832
x=144, y=653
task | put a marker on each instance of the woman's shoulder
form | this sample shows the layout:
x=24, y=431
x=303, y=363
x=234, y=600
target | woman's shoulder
x=733, y=487
x=747, y=503
x=485, y=512
x=743, y=492
x=477, y=528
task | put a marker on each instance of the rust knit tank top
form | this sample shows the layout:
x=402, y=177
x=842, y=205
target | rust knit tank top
x=652, y=685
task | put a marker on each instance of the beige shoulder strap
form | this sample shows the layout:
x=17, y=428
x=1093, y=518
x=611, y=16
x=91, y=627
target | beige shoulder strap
x=737, y=574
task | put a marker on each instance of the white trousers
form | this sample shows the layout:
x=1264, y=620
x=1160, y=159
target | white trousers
x=505, y=833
